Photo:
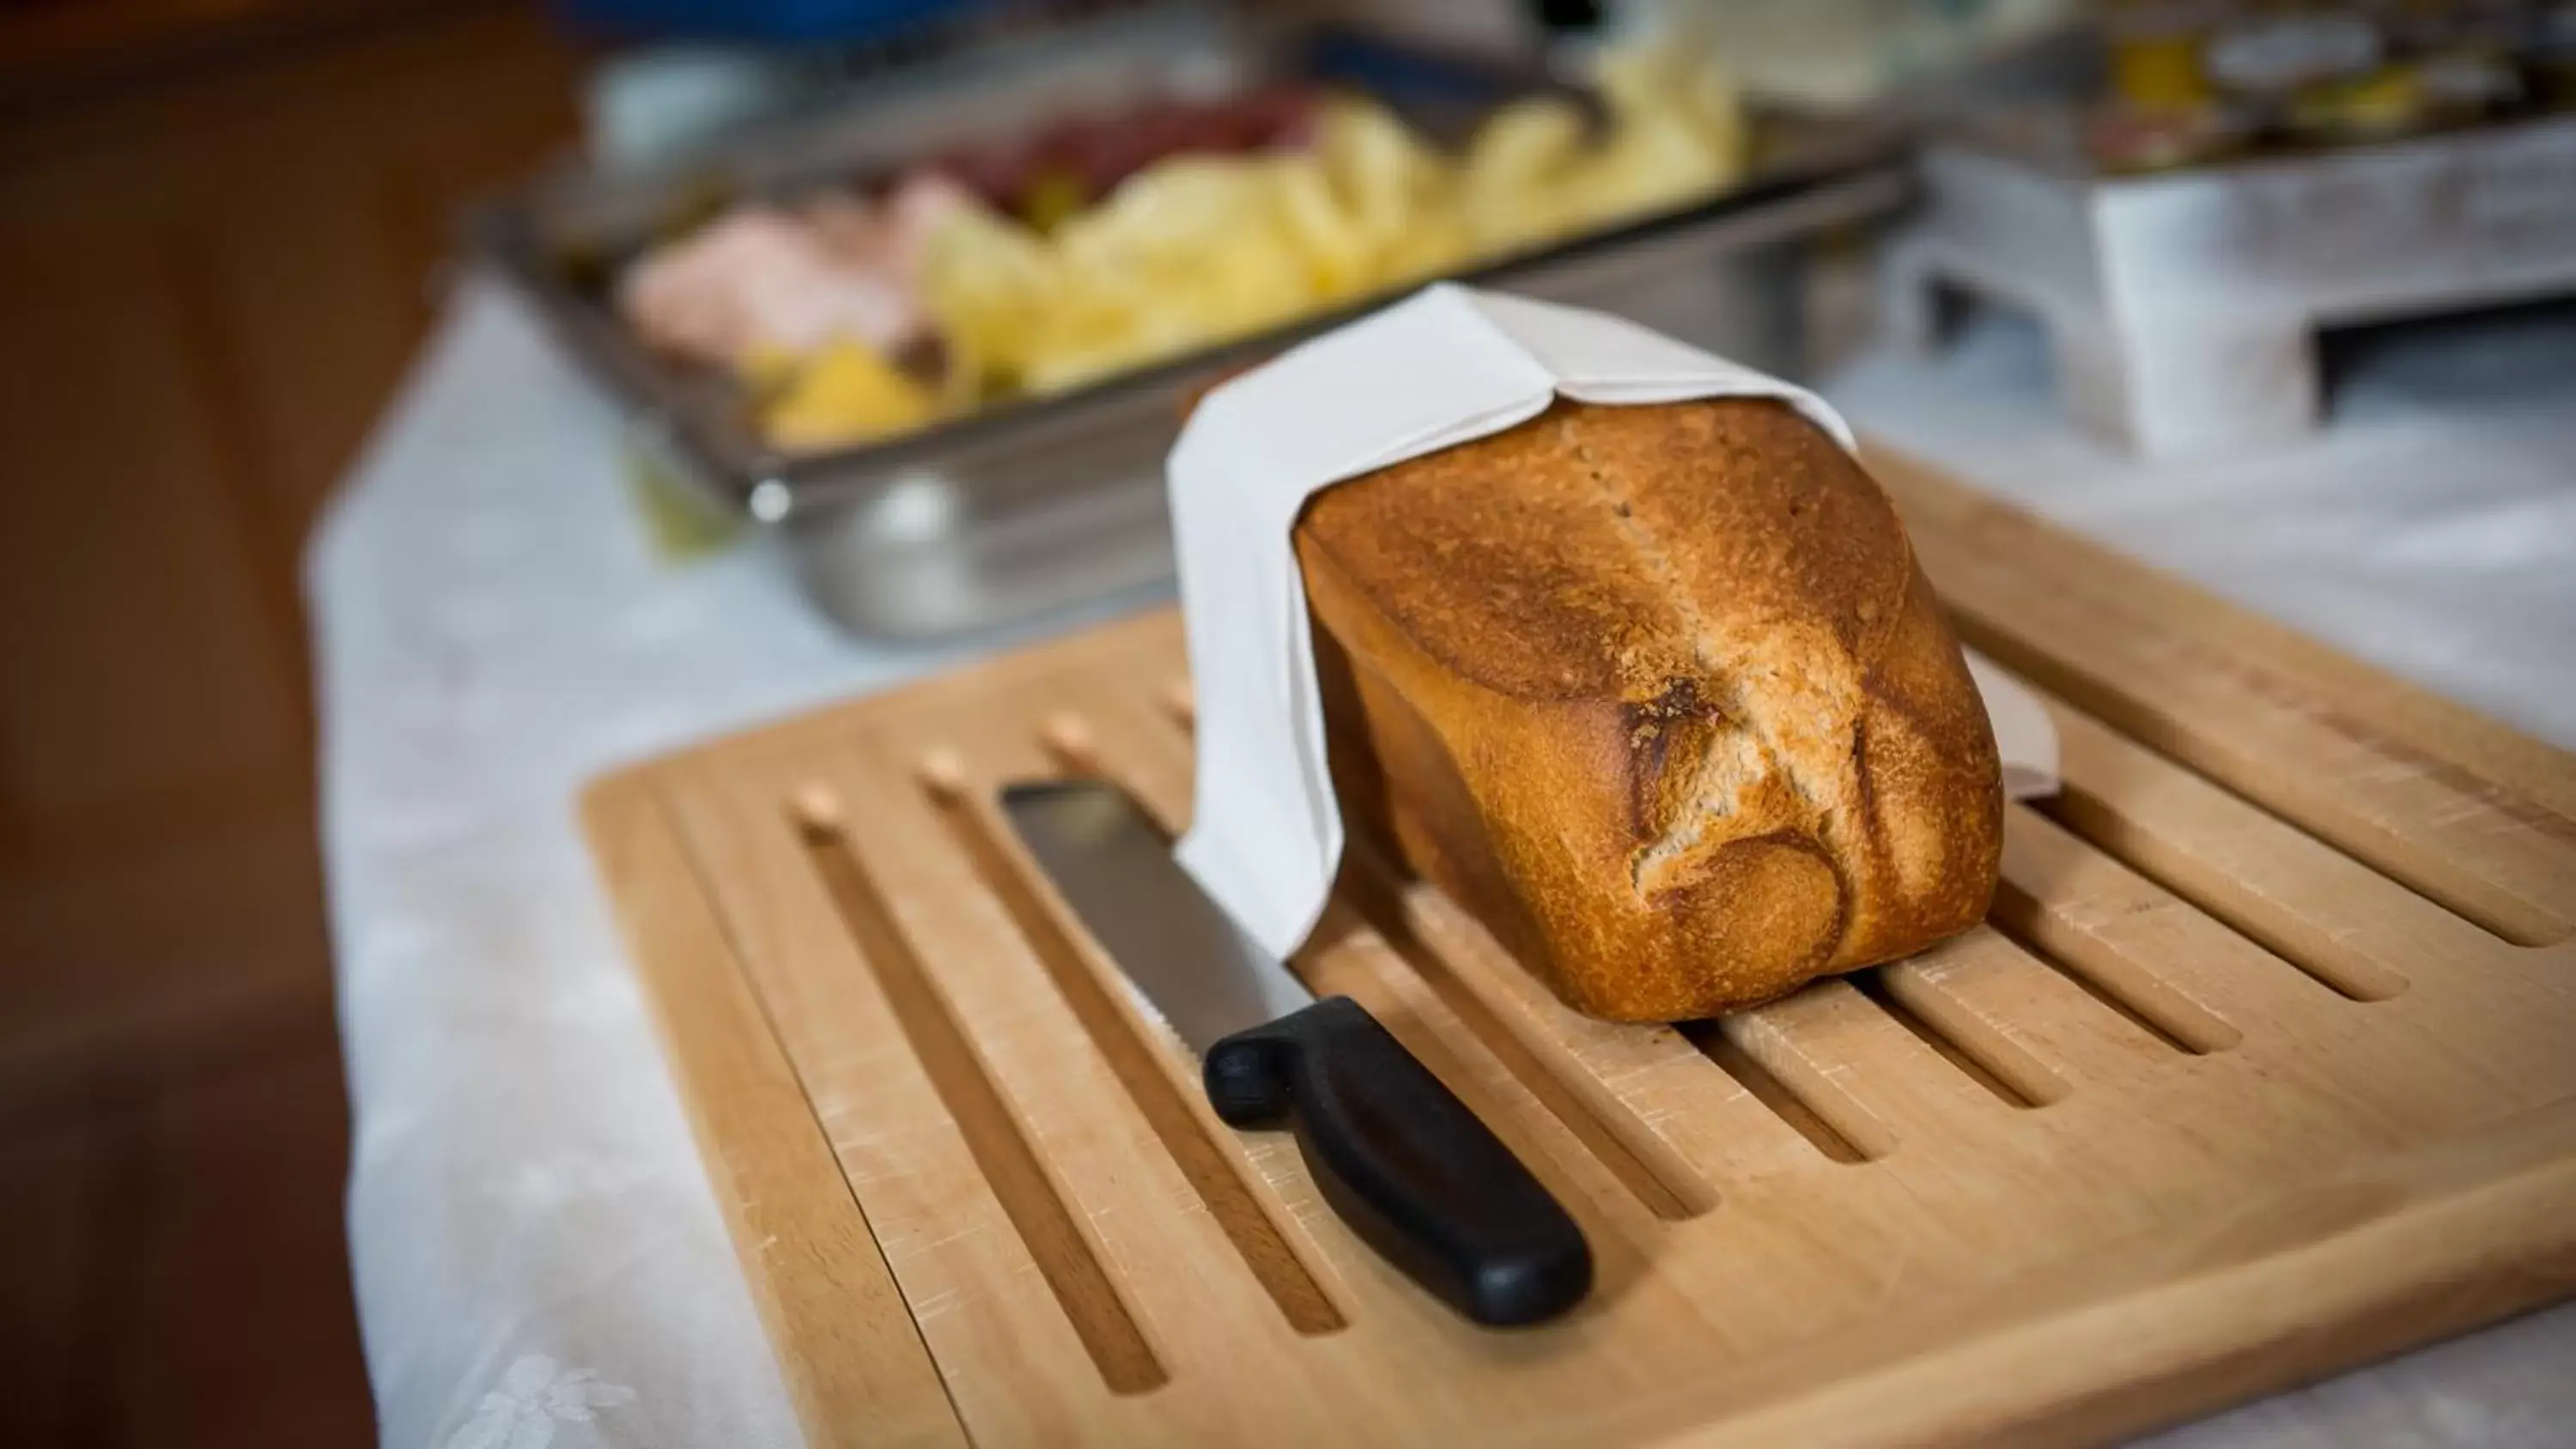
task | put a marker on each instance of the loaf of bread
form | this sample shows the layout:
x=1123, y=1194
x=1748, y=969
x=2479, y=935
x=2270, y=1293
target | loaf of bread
x=1658, y=693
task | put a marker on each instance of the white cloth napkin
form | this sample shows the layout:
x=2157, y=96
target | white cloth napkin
x=1443, y=367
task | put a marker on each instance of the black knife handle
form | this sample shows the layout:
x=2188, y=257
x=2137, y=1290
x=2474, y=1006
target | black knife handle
x=1406, y=1164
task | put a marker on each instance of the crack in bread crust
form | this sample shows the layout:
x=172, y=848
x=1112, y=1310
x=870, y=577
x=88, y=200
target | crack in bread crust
x=1724, y=764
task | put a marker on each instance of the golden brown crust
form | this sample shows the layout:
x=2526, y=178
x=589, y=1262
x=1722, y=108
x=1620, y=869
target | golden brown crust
x=1660, y=694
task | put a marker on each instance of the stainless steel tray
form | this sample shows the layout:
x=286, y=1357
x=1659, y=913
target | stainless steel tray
x=1033, y=505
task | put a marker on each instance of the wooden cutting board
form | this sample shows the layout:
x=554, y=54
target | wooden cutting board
x=2264, y=1065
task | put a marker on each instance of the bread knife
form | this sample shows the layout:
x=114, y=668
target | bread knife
x=1406, y=1164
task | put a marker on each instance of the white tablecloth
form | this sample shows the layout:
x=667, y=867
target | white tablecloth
x=538, y=1259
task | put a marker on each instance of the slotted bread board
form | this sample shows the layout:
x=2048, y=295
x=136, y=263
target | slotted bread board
x=2264, y=1065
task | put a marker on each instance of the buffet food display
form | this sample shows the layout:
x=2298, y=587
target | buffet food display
x=1101, y=243
x=938, y=336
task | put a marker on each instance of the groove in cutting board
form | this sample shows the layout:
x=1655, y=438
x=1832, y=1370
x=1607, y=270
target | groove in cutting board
x=1875, y=985
x=1748, y=1072
x=2117, y=796
x=2015, y=1070
x=1067, y=739
x=2006, y=925
x=2098, y=823
x=2135, y=983
x=1629, y=1150
x=2105, y=773
x=2493, y=906
x=1063, y=1254
x=2098, y=765
x=1209, y=1167
x=776, y=1174
x=1779, y=1037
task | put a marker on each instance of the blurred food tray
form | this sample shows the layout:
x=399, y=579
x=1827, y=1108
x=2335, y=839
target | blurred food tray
x=1034, y=504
